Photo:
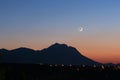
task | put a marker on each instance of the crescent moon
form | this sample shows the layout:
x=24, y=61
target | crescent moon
x=81, y=29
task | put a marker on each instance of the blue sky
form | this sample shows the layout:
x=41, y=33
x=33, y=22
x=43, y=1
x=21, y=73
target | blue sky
x=39, y=23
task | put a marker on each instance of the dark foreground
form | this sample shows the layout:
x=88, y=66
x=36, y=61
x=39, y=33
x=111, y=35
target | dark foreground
x=56, y=72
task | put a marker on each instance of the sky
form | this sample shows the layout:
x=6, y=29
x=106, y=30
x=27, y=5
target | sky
x=37, y=24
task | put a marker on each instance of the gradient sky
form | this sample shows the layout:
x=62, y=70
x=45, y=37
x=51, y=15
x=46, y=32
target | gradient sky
x=37, y=24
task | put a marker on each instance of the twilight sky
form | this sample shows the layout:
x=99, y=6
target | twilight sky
x=37, y=24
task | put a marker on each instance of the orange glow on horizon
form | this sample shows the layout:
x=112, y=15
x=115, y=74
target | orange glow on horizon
x=106, y=54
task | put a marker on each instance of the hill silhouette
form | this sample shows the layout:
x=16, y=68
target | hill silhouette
x=54, y=54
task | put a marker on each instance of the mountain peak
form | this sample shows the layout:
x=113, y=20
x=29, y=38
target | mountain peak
x=3, y=50
x=22, y=49
x=58, y=45
x=64, y=54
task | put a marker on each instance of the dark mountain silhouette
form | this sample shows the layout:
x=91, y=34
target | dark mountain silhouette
x=3, y=50
x=110, y=64
x=55, y=54
x=19, y=55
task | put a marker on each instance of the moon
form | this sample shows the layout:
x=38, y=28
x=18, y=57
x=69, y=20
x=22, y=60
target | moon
x=81, y=29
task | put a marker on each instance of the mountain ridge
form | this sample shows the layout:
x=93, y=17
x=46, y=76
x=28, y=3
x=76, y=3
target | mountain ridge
x=54, y=54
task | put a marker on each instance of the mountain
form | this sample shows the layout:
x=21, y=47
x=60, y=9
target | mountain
x=3, y=50
x=55, y=54
x=110, y=64
x=19, y=55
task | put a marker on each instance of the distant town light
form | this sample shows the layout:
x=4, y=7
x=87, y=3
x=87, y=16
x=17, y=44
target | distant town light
x=83, y=65
x=70, y=65
x=77, y=69
x=55, y=65
x=94, y=66
x=41, y=63
x=117, y=67
x=62, y=65
x=50, y=65
x=102, y=67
